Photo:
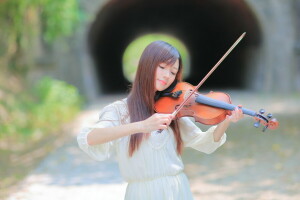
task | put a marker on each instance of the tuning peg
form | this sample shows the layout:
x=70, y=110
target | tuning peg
x=262, y=111
x=269, y=116
x=256, y=124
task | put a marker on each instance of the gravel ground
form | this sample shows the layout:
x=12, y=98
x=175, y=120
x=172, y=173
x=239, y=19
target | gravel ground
x=266, y=170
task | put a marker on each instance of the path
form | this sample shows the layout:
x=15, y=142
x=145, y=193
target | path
x=234, y=173
x=69, y=174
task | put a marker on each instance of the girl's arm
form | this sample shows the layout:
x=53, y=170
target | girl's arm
x=235, y=116
x=103, y=135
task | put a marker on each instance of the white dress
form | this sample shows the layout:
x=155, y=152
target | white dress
x=155, y=171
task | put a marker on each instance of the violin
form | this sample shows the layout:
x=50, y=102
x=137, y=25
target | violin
x=209, y=109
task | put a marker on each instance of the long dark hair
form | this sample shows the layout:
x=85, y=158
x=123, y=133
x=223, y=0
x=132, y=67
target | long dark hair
x=141, y=98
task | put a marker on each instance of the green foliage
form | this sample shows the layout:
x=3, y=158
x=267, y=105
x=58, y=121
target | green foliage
x=25, y=23
x=60, y=17
x=54, y=17
x=39, y=111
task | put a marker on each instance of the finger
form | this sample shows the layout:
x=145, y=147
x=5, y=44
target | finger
x=162, y=122
x=163, y=126
x=241, y=116
x=169, y=116
x=167, y=121
x=240, y=113
x=237, y=115
x=240, y=109
x=173, y=116
x=164, y=116
x=228, y=117
x=234, y=115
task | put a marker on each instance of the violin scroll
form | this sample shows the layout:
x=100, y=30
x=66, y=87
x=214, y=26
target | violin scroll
x=267, y=121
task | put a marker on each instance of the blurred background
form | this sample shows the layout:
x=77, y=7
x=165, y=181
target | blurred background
x=62, y=60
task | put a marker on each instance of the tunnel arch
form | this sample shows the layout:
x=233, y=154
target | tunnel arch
x=207, y=28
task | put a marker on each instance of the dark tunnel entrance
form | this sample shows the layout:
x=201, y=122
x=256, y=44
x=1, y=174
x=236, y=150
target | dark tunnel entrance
x=207, y=28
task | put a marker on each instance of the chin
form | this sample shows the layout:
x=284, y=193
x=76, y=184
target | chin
x=160, y=89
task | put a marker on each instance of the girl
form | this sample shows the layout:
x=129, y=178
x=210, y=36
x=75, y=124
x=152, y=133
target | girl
x=150, y=161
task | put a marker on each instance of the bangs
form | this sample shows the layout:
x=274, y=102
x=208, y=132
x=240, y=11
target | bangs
x=168, y=55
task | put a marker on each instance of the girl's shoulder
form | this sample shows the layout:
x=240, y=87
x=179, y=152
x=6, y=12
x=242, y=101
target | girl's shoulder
x=120, y=105
x=118, y=108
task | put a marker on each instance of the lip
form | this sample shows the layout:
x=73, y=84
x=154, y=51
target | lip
x=162, y=82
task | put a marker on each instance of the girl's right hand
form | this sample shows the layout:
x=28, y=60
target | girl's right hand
x=156, y=122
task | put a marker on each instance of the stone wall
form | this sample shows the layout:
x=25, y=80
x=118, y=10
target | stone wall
x=274, y=66
x=271, y=67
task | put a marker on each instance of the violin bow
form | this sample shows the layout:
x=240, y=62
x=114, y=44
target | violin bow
x=208, y=74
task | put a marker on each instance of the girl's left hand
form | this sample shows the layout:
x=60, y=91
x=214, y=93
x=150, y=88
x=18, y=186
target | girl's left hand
x=236, y=114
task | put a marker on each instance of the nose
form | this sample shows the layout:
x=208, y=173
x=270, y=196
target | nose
x=166, y=73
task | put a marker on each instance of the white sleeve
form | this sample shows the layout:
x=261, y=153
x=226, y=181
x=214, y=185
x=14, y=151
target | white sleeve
x=193, y=137
x=108, y=118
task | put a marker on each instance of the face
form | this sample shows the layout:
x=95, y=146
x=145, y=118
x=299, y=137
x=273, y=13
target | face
x=165, y=75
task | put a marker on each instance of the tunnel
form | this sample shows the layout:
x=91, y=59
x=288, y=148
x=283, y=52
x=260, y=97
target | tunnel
x=206, y=27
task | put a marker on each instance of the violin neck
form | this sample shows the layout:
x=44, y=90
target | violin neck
x=220, y=104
